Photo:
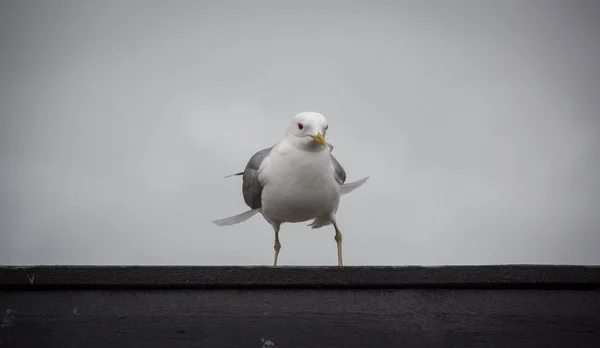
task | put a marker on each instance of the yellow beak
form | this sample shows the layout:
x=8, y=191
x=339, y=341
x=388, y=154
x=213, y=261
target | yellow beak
x=320, y=139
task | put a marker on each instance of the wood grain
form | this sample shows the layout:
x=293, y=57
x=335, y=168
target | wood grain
x=99, y=277
x=303, y=318
x=529, y=306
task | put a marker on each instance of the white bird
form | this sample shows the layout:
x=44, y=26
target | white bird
x=295, y=180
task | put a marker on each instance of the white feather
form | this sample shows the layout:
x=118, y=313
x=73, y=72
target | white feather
x=351, y=186
x=236, y=219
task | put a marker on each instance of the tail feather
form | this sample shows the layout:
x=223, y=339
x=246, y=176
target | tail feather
x=318, y=223
x=230, y=175
x=236, y=219
x=351, y=186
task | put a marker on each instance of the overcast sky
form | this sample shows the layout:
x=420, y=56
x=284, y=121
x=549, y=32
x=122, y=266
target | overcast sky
x=478, y=122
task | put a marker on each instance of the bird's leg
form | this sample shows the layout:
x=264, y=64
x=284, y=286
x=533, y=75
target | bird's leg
x=338, y=240
x=277, y=245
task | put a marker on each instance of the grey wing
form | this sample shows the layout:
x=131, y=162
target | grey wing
x=338, y=170
x=251, y=187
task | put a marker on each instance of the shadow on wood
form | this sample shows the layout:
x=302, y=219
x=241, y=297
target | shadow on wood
x=458, y=306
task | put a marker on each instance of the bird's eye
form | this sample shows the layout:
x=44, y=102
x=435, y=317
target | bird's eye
x=300, y=126
x=327, y=126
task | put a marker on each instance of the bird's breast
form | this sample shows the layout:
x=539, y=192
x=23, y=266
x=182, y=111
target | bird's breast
x=299, y=187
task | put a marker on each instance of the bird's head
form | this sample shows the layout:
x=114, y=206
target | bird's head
x=307, y=130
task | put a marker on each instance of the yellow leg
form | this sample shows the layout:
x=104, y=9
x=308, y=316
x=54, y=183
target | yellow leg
x=338, y=240
x=277, y=246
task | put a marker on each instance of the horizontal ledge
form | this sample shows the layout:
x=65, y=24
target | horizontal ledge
x=207, y=277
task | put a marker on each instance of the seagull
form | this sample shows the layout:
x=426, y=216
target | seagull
x=295, y=180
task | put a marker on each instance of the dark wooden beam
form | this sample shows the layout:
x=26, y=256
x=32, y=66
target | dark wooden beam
x=266, y=307
x=94, y=277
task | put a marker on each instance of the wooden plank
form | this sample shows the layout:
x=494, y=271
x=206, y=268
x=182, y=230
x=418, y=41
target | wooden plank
x=300, y=318
x=98, y=277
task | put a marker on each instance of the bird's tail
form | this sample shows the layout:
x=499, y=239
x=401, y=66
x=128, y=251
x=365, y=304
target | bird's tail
x=230, y=175
x=236, y=219
x=318, y=223
x=351, y=186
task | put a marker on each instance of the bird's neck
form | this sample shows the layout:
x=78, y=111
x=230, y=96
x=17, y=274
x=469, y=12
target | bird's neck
x=304, y=144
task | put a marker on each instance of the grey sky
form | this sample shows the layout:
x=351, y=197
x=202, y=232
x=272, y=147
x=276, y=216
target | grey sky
x=478, y=122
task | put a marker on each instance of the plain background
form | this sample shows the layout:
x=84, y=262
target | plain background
x=478, y=122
